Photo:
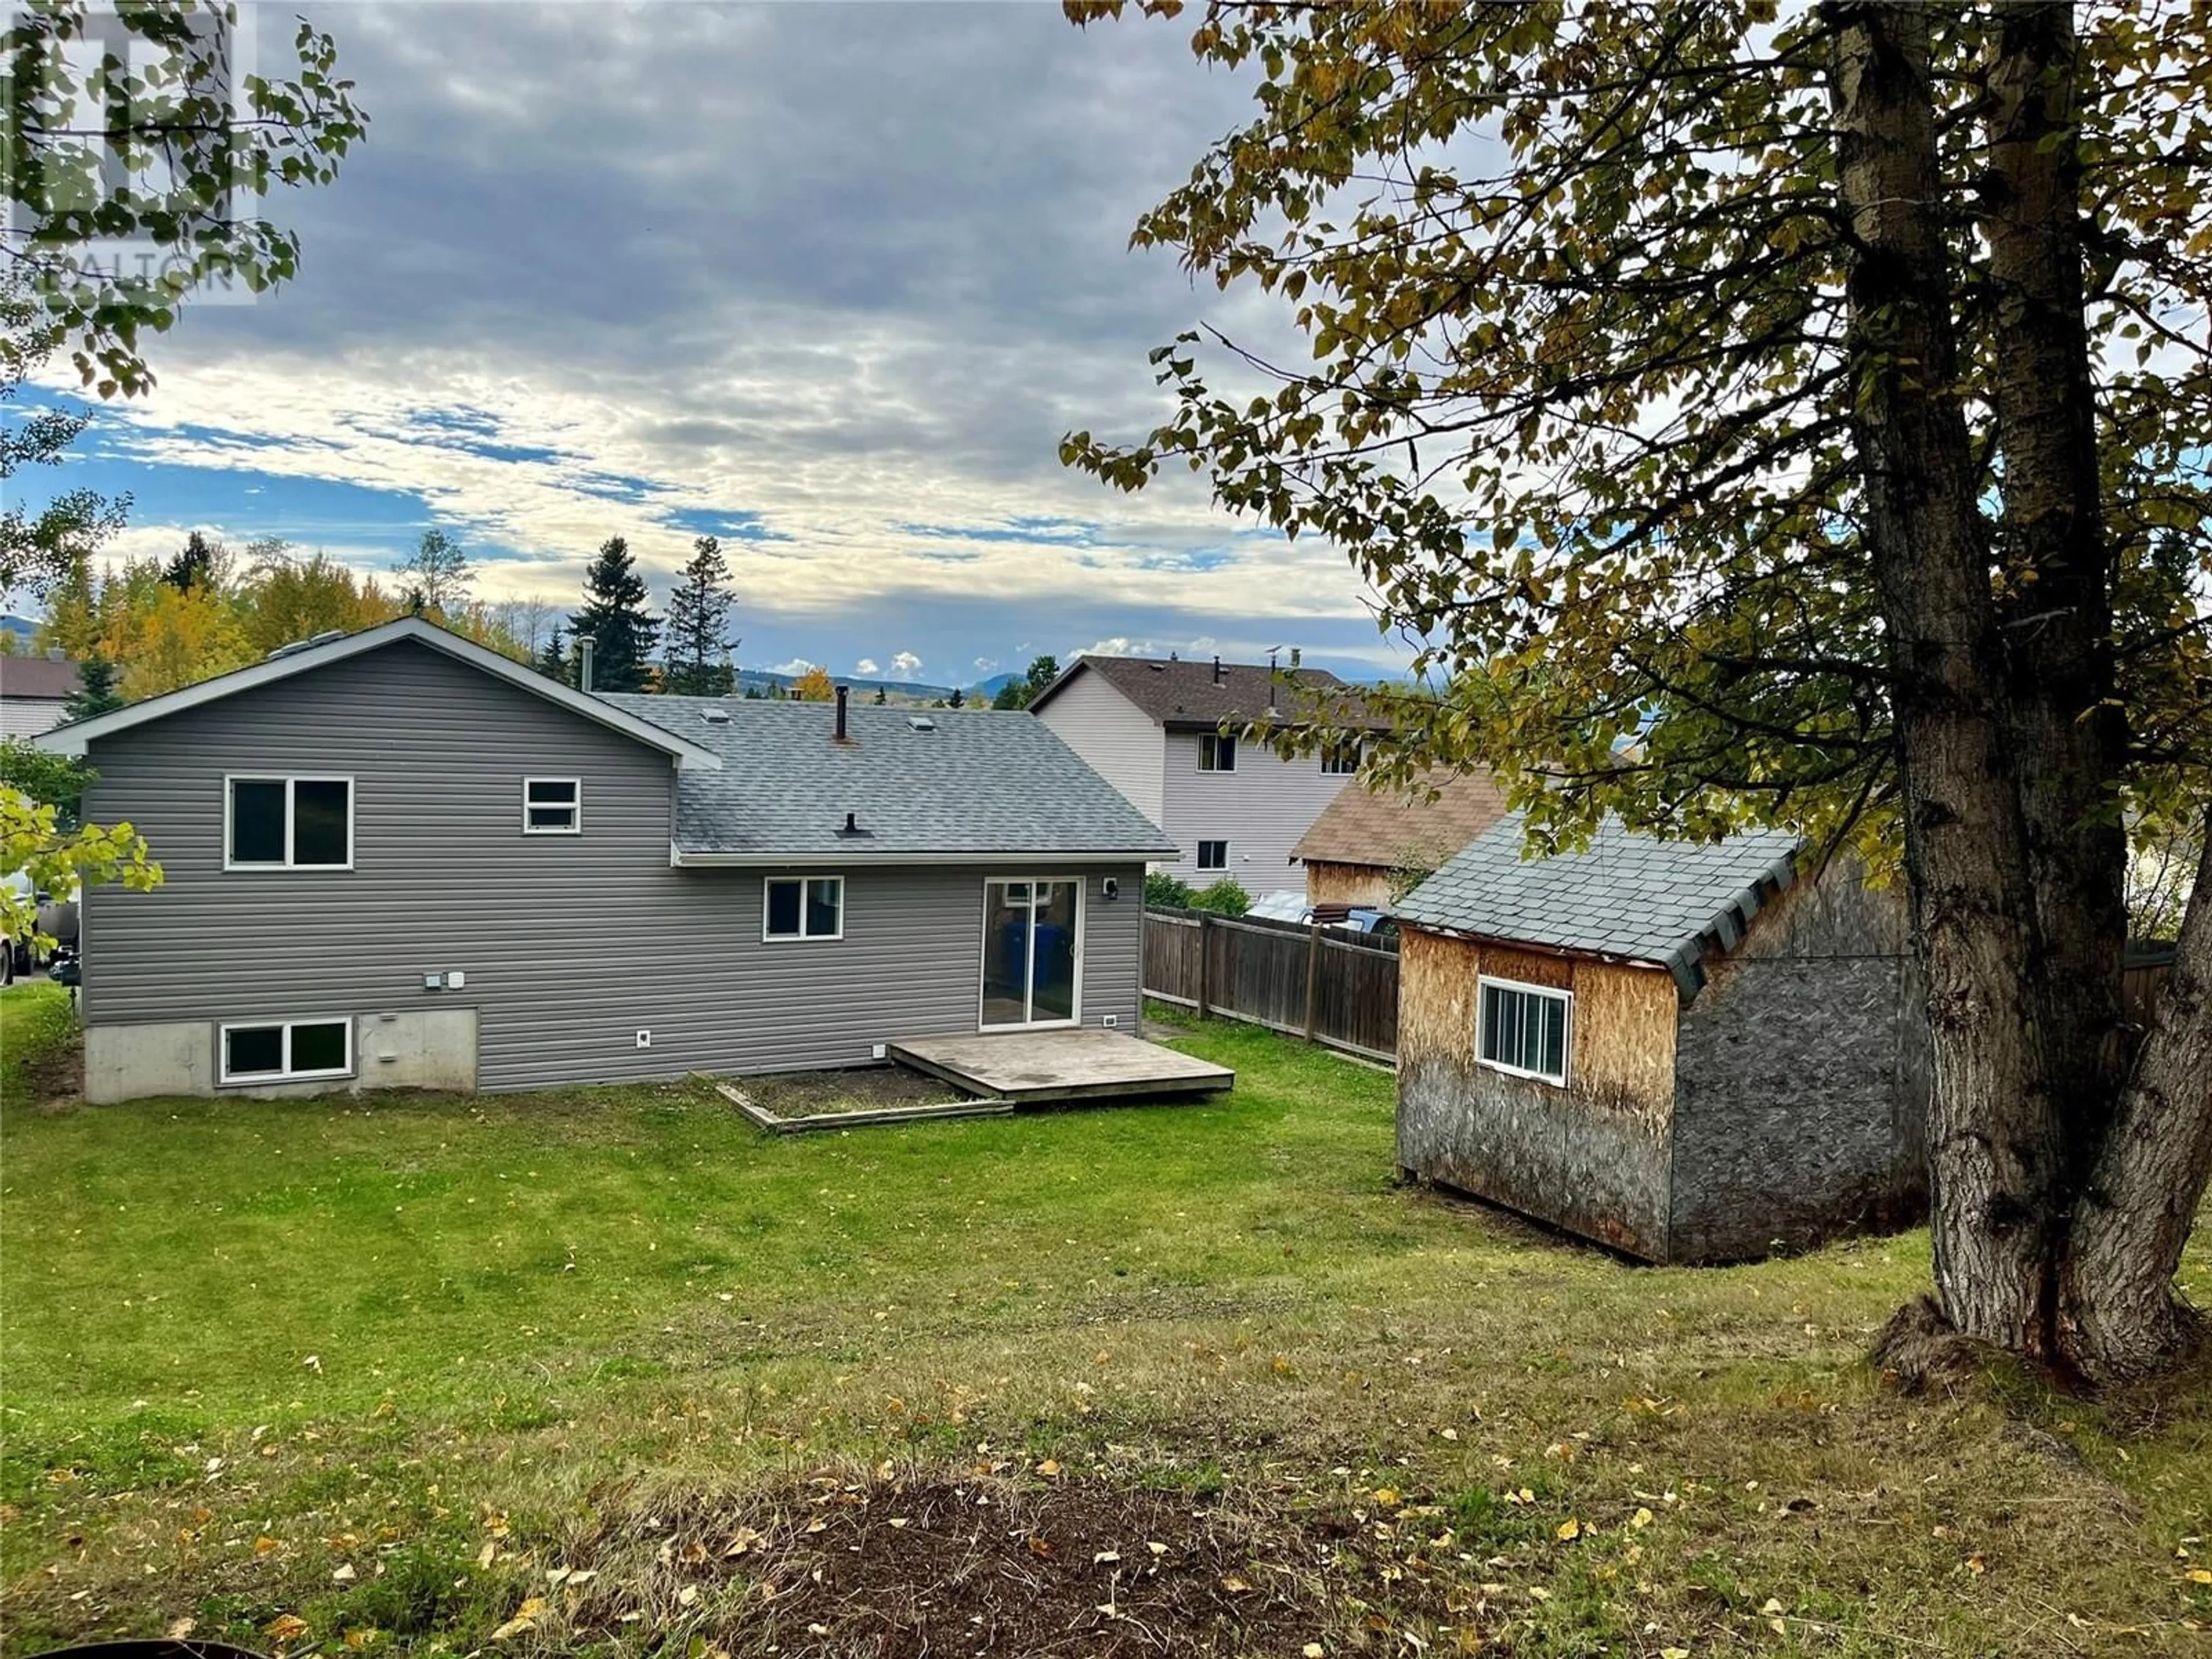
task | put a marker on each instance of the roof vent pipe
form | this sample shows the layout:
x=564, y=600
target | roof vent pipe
x=583, y=662
x=1295, y=654
x=1217, y=670
x=842, y=691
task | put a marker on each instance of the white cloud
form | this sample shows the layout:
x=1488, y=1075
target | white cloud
x=906, y=665
x=985, y=665
x=1119, y=645
x=866, y=666
x=796, y=665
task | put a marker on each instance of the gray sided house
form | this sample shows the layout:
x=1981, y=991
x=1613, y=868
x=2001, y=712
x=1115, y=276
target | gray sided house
x=1685, y=1053
x=396, y=859
x=1233, y=807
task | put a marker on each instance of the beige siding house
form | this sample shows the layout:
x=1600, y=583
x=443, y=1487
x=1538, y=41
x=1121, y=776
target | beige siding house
x=1165, y=732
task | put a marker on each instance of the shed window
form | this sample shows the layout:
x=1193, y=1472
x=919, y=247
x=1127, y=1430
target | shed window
x=813, y=908
x=1217, y=753
x=288, y=823
x=1214, y=855
x=1523, y=1030
x=552, y=807
x=284, y=1051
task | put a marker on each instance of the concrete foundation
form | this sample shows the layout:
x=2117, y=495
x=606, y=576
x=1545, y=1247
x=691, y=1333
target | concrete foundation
x=409, y=1049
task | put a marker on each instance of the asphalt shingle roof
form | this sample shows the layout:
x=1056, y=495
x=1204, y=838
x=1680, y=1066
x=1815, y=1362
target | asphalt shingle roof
x=982, y=781
x=1627, y=896
x=36, y=677
x=1402, y=828
x=1187, y=694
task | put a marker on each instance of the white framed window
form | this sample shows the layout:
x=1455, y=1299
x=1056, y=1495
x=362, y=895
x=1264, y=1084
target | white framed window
x=552, y=807
x=1214, y=855
x=1524, y=1031
x=284, y=1050
x=283, y=821
x=1341, y=759
x=802, y=906
x=1216, y=752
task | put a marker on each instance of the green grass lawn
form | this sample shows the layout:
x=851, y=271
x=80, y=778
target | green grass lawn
x=335, y=1375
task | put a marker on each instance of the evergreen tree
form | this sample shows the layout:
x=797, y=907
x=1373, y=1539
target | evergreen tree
x=551, y=662
x=96, y=692
x=438, y=574
x=957, y=700
x=1021, y=693
x=193, y=565
x=880, y=698
x=697, y=662
x=614, y=614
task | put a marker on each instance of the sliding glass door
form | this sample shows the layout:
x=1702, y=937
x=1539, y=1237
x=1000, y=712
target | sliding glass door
x=1033, y=952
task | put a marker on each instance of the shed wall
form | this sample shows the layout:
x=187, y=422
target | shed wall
x=1366, y=886
x=570, y=944
x=1591, y=1158
x=1801, y=1080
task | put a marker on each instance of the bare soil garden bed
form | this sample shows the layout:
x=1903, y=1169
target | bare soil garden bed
x=786, y=1101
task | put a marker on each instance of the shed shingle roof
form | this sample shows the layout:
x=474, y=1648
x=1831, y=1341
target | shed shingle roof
x=1402, y=828
x=982, y=783
x=1186, y=695
x=1627, y=896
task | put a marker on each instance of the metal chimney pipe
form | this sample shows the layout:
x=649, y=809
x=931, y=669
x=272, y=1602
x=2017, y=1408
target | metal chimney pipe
x=842, y=691
x=583, y=662
x=1217, y=670
x=1295, y=654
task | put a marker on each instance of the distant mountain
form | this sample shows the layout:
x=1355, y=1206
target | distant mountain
x=996, y=683
x=767, y=680
x=23, y=629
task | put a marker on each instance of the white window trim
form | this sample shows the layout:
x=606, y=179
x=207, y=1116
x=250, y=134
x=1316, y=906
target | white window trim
x=802, y=937
x=1216, y=739
x=1332, y=757
x=983, y=960
x=291, y=818
x=575, y=825
x=225, y=1076
x=1566, y=1039
x=1197, y=856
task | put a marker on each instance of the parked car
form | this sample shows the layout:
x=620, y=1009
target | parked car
x=58, y=921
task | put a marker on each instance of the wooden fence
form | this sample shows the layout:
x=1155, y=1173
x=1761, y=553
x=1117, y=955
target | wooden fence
x=1341, y=989
x=1321, y=983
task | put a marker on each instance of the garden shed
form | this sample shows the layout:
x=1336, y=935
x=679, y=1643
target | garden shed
x=1685, y=1052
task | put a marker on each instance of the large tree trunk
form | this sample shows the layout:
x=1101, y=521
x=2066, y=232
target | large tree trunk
x=2118, y=1315
x=1994, y=1146
x=2054, y=576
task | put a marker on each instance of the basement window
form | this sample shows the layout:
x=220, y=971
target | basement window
x=1523, y=1031
x=809, y=908
x=1216, y=753
x=287, y=1051
x=288, y=823
x=552, y=807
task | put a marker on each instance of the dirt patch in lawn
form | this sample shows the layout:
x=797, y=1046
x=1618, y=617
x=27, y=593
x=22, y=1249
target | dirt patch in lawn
x=897, y=1569
x=863, y=1089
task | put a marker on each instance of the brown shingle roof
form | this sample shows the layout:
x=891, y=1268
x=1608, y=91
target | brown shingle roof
x=1399, y=829
x=37, y=677
x=1186, y=695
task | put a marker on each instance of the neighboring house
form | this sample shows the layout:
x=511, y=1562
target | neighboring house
x=1153, y=729
x=1684, y=1051
x=396, y=858
x=1369, y=845
x=33, y=690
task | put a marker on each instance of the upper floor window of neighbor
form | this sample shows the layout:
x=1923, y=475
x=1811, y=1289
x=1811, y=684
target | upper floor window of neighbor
x=1340, y=759
x=1217, y=753
x=288, y=823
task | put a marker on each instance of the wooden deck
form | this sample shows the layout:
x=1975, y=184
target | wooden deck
x=1080, y=1063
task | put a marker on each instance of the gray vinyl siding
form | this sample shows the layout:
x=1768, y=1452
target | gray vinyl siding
x=1121, y=743
x=26, y=717
x=1262, y=809
x=570, y=944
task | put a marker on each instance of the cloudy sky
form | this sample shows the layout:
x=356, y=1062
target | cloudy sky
x=828, y=281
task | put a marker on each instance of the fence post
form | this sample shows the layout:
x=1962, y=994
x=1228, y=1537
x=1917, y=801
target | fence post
x=1204, y=917
x=1313, y=975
